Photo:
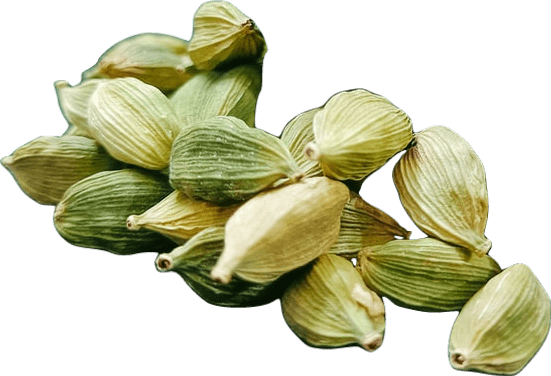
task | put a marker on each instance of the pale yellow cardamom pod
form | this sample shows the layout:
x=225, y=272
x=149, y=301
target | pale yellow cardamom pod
x=442, y=186
x=364, y=225
x=503, y=325
x=281, y=230
x=356, y=133
x=73, y=102
x=296, y=135
x=156, y=59
x=330, y=306
x=223, y=35
x=180, y=217
x=134, y=121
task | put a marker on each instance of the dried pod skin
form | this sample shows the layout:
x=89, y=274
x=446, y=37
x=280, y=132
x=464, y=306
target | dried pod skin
x=330, y=306
x=74, y=101
x=93, y=212
x=442, y=186
x=224, y=161
x=224, y=36
x=47, y=166
x=281, y=230
x=356, y=133
x=134, y=122
x=363, y=225
x=156, y=59
x=503, y=325
x=194, y=260
x=296, y=135
x=219, y=93
x=425, y=274
x=180, y=217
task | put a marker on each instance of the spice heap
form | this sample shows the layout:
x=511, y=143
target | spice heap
x=162, y=154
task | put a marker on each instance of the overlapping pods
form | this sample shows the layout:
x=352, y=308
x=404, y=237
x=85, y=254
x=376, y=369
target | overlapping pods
x=442, y=186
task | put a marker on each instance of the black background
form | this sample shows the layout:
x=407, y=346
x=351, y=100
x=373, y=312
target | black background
x=474, y=72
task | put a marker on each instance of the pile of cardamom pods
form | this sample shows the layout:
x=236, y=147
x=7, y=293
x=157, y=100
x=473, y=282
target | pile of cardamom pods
x=162, y=155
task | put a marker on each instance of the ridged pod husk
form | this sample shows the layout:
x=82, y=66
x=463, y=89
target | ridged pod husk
x=194, y=260
x=93, y=212
x=296, y=135
x=219, y=93
x=224, y=161
x=134, y=122
x=503, y=325
x=281, y=229
x=442, y=186
x=73, y=102
x=330, y=306
x=156, y=59
x=356, y=133
x=364, y=225
x=47, y=166
x=425, y=274
x=224, y=36
x=179, y=217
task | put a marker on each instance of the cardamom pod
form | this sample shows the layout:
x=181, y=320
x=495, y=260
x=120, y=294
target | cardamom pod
x=281, y=230
x=224, y=161
x=156, y=59
x=47, y=166
x=425, y=274
x=134, y=122
x=180, y=217
x=363, y=225
x=219, y=93
x=442, y=186
x=296, y=135
x=93, y=212
x=223, y=35
x=503, y=325
x=73, y=102
x=330, y=306
x=194, y=260
x=356, y=133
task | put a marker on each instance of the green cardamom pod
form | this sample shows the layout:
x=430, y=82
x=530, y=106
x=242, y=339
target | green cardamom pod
x=219, y=93
x=330, y=306
x=296, y=135
x=442, y=186
x=363, y=225
x=156, y=59
x=224, y=161
x=194, y=260
x=47, y=166
x=223, y=35
x=503, y=325
x=356, y=133
x=425, y=274
x=93, y=212
x=180, y=217
x=282, y=229
x=134, y=121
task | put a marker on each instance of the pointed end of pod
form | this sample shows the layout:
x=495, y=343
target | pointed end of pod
x=458, y=360
x=164, y=263
x=297, y=176
x=372, y=342
x=312, y=152
x=61, y=84
x=221, y=275
x=132, y=223
x=483, y=248
x=7, y=162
